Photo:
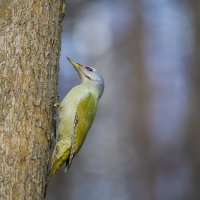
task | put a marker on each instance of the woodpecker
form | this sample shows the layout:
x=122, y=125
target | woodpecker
x=76, y=114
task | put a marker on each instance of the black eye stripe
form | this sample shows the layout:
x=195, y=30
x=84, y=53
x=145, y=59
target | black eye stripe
x=89, y=69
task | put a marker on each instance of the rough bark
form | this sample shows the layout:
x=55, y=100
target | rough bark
x=29, y=52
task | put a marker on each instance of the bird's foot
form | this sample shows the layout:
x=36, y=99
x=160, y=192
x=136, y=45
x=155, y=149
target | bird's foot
x=56, y=105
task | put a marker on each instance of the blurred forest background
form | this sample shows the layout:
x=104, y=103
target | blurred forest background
x=145, y=141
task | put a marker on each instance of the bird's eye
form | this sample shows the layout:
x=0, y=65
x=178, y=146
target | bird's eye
x=89, y=69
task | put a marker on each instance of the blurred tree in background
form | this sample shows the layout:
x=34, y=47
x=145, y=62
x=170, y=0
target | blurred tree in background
x=145, y=141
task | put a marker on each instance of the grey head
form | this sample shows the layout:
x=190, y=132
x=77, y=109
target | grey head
x=89, y=75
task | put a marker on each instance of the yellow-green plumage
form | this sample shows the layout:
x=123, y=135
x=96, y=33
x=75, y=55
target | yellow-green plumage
x=76, y=114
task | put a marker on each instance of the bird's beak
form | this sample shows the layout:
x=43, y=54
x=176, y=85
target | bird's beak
x=79, y=68
x=76, y=65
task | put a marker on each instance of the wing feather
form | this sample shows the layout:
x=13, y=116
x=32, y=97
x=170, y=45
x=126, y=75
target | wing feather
x=86, y=111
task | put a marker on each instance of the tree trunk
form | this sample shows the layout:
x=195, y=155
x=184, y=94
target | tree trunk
x=192, y=147
x=30, y=33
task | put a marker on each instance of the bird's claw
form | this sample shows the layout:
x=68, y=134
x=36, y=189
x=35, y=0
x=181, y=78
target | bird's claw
x=56, y=105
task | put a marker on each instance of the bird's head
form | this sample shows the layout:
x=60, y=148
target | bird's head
x=88, y=73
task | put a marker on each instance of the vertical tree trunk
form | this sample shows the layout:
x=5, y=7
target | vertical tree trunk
x=192, y=147
x=30, y=43
x=141, y=95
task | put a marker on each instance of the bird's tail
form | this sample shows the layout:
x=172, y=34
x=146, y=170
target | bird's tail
x=60, y=155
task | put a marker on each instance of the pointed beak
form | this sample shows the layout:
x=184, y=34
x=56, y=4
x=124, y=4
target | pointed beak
x=79, y=68
x=76, y=65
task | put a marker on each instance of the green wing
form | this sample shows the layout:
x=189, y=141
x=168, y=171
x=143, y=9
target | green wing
x=78, y=101
x=86, y=111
